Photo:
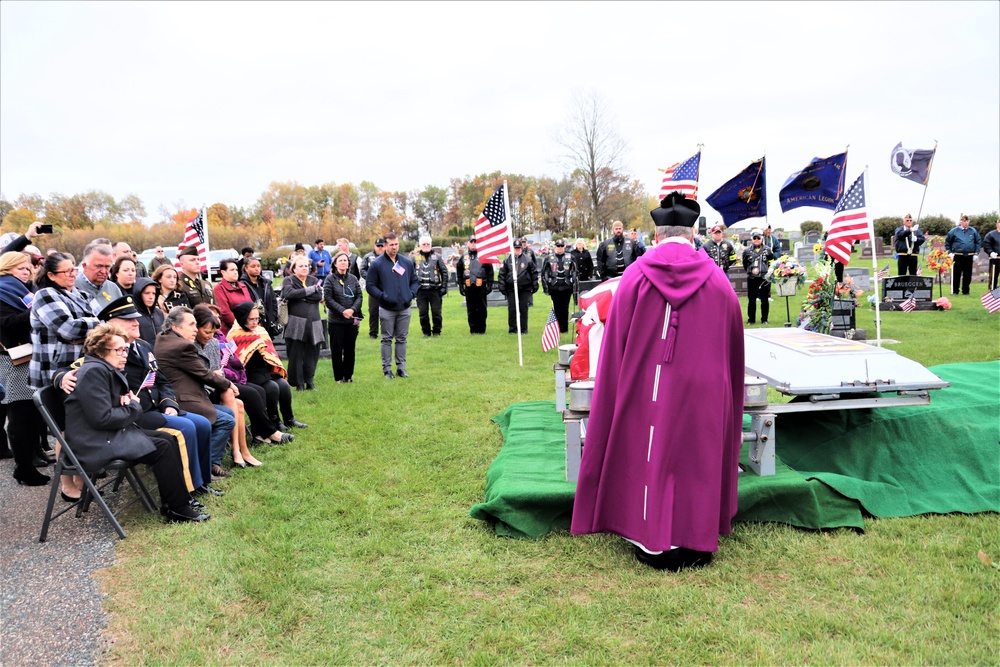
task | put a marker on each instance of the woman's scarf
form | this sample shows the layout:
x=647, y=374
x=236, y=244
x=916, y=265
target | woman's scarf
x=12, y=292
x=256, y=341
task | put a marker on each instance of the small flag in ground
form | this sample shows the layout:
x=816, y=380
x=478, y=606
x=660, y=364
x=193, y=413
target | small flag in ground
x=550, y=334
x=882, y=272
x=682, y=177
x=991, y=300
x=493, y=229
x=194, y=235
x=909, y=304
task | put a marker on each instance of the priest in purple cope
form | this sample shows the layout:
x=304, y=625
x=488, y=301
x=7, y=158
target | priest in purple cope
x=661, y=454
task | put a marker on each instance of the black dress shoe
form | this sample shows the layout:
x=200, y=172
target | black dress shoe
x=295, y=423
x=389, y=375
x=281, y=427
x=202, y=490
x=6, y=453
x=30, y=477
x=402, y=374
x=675, y=559
x=183, y=514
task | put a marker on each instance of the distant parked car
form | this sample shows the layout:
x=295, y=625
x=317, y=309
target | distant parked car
x=216, y=256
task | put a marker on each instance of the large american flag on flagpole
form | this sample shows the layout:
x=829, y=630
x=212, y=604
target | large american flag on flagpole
x=194, y=235
x=550, y=334
x=493, y=229
x=850, y=223
x=682, y=177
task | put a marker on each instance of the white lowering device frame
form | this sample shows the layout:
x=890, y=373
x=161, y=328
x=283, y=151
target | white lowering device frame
x=822, y=372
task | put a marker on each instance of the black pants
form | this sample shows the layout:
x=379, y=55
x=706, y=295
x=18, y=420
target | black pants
x=838, y=272
x=372, y=316
x=255, y=405
x=25, y=427
x=343, y=338
x=758, y=288
x=523, y=296
x=429, y=297
x=560, y=304
x=302, y=360
x=278, y=393
x=994, y=272
x=906, y=265
x=961, y=272
x=165, y=461
x=475, y=304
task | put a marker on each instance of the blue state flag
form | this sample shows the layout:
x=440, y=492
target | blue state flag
x=743, y=196
x=819, y=184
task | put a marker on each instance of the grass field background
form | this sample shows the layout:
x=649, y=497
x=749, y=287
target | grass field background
x=353, y=545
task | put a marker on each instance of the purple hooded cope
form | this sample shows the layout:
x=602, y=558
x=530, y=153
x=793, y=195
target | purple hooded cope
x=662, y=446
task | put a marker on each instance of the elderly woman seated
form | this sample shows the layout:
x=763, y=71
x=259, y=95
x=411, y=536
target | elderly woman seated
x=100, y=423
x=263, y=367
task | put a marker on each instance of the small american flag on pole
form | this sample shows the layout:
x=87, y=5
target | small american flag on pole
x=991, y=300
x=493, y=229
x=850, y=223
x=149, y=381
x=909, y=304
x=882, y=273
x=682, y=177
x=550, y=334
x=194, y=235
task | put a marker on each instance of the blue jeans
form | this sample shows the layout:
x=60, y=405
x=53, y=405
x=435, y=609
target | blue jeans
x=197, y=432
x=225, y=422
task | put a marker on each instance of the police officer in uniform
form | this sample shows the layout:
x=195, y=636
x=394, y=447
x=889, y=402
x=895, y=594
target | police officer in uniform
x=756, y=260
x=559, y=278
x=526, y=285
x=433, y=276
x=722, y=252
x=475, y=281
x=366, y=262
x=615, y=254
x=190, y=283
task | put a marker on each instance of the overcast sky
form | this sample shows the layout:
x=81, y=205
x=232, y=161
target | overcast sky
x=196, y=103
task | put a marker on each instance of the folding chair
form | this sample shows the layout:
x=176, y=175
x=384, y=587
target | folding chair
x=50, y=404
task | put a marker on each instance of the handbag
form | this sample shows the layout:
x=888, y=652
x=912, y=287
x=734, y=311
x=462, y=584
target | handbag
x=19, y=354
x=282, y=313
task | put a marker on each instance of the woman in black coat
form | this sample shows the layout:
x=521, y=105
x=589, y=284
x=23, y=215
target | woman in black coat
x=100, y=422
x=304, y=331
x=342, y=294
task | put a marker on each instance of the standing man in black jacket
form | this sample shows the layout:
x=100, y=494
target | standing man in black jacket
x=559, y=282
x=615, y=254
x=756, y=260
x=991, y=244
x=527, y=284
x=366, y=262
x=262, y=294
x=475, y=282
x=433, y=276
x=906, y=241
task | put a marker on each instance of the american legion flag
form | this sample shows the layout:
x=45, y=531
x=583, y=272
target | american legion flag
x=682, y=177
x=850, y=223
x=550, y=334
x=991, y=300
x=493, y=229
x=194, y=234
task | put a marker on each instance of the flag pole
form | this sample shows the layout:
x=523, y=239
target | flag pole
x=871, y=238
x=513, y=267
x=204, y=225
x=927, y=182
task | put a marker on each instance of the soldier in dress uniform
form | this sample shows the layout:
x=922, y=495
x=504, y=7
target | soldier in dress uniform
x=722, y=252
x=475, y=282
x=615, y=254
x=526, y=284
x=190, y=282
x=433, y=276
x=559, y=278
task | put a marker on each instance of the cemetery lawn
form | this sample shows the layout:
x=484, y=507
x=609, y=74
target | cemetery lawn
x=354, y=544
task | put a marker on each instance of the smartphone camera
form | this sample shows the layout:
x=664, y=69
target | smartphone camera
x=44, y=229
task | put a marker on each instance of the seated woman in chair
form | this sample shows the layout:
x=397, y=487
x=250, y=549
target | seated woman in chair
x=100, y=423
x=263, y=367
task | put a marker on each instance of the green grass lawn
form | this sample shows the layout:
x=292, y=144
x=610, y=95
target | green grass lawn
x=354, y=545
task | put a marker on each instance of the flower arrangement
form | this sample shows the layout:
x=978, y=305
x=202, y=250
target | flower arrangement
x=938, y=261
x=786, y=269
x=817, y=308
x=943, y=303
x=848, y=290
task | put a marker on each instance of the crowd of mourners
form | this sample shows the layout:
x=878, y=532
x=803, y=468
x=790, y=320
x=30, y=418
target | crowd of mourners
x=161, y=369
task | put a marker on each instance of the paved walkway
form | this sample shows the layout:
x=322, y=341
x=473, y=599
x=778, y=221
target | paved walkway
x=50, y=606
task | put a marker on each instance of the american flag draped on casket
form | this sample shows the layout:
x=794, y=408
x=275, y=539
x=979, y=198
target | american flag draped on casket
x=595, y=305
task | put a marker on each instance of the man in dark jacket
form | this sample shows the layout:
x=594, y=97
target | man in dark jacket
x=433, y=276
x=526, y=283
x=392, y=279
x=991, y=244
x=756, y=260
x=559, y=282
x=722, y=252
x=365, y=263
x=475, y=282
x=615, y=254
x=262, y=294
x=906, y=241
x=962, y=244
x=584, y=262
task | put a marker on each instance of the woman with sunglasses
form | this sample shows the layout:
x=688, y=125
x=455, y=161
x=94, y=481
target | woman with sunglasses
x=60, y=320
x=343, y=297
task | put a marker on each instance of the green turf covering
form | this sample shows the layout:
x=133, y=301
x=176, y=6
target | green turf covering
x=889, y=461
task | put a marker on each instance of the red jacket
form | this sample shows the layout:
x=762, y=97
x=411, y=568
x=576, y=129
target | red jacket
x=228, y=295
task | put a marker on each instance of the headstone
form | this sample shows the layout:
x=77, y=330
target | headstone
x=738, y=278
x=862, y=278
x=812, y=238
x=794, y=235
x=980, y=267
x=785, y=245
x=937, y=243
x=842, y=318
x=900, y=288
x=866, y=251
x=804, y=254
